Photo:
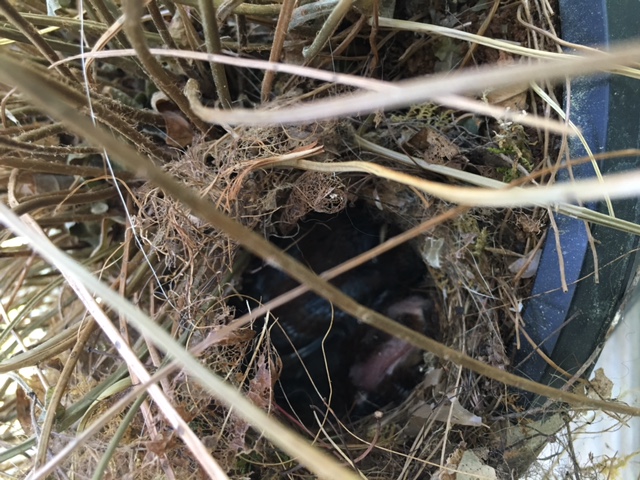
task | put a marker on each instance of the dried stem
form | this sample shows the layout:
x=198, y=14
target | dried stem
x=212, y=41
x=133, y=13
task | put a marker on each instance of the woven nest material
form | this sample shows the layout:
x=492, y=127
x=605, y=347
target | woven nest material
x=474, y=294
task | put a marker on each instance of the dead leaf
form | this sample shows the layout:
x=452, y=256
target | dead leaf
x=513, y=97
x=160, y=445
x=433, y=145
x=601, y=385
x=261, y=385
x=179, y=131
x=259, y=392
x=432, y=250
x=432, y=377
x=530, y=261
x=23, y=411
x=459, y=414
x=448, y=472
x=471, y=467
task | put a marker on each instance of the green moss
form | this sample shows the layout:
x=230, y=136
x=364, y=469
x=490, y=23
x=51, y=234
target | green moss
x=481, y=242
x=509, y=174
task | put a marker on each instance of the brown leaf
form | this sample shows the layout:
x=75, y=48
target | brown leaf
x=433, y=145
x=23, y=411
x=601, y=384
x=179, y=131
x=160, y=446
x=453, y=411
x=513, y=97
x=261, y=385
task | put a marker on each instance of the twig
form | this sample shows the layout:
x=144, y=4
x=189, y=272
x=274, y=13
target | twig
x=133, y=12
x=212, y=41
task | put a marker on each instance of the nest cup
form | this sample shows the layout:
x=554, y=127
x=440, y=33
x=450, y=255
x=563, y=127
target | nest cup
x=332, y=365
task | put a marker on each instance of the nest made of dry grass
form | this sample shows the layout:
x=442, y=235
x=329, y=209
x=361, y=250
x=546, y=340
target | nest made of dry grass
x=472, y=313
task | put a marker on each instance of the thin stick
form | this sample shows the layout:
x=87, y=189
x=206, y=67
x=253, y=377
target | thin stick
x=276, y=49
x=133, y=13
x=212, y=41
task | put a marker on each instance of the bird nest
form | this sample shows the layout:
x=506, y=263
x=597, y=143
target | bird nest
x=322, y=371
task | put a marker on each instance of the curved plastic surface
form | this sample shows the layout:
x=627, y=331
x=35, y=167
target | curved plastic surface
x=569, y=326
